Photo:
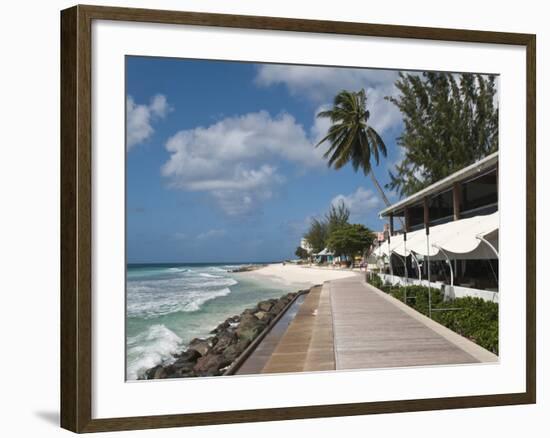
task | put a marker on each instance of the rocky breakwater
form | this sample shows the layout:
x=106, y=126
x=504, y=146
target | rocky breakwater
x=248, y=268
x=211, y=356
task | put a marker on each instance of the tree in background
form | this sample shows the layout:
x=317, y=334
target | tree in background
x=351, y=137
x=451, y=121
x=320, y=229
x=301, y=253
x=350, y=240
x=317, y=234
x=337, y=216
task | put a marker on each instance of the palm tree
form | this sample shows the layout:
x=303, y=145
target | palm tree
x=351, y=137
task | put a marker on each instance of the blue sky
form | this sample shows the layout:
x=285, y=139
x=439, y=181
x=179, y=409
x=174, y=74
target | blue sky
x=221, y=164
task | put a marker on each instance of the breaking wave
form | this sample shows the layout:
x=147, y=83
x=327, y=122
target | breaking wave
x=149, y=348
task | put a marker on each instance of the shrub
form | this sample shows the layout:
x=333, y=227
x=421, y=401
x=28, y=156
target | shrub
x=376, y=281
x=476, y=320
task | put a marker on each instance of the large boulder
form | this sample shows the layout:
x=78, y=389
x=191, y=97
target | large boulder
x=250, y=333
x=157, y=372
x=278, y=307
x=248, y=320
x=210, y=364
x=180, y=368
x=202, y=346
x=265, y=306
x=189, y=355
x=235, y=350
x=264, y=316
x=225, y=339
x=222, y=326
x=250, y=327
x=250, y=311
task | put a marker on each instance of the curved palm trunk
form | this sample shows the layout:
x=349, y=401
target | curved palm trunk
x=383, y=195
x=379, y=188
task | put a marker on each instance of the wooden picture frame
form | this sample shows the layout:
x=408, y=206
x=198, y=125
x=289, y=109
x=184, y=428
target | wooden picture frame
x=76, y=217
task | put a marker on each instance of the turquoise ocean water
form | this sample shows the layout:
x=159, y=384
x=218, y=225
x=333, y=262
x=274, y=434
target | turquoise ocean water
x=167, y=305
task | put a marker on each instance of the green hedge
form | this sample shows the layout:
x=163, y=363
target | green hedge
x=376, y=281
x=476, y=320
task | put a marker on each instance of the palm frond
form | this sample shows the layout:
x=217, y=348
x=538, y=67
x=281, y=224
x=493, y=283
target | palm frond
x=351, y=138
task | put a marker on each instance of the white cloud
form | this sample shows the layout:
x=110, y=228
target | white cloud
x=320, y=127
x=245, y=190
x=321, y=84
x=232, y=159
x=360, y=203
x=250, y=136
x=211, y=234
x=139, y=118
x=180, y=236
x=235, y=159
x=159, y=105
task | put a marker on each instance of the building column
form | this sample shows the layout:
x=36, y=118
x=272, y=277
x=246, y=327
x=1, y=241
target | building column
x=498, y=194
x=426, y=227
x=426, y=212
x=407, y=220
x=457, y=194
x=391, y=224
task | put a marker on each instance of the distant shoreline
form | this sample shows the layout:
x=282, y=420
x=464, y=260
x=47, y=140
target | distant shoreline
x=246, y=268
x=296, y=275
x=161, y=264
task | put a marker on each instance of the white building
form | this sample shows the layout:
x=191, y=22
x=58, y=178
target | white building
x=304, y=244
x=451, y=227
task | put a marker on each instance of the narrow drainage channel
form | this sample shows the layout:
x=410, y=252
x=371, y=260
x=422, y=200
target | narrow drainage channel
x=259, y=357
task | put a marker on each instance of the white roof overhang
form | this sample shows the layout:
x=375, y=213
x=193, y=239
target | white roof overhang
x=458, y=239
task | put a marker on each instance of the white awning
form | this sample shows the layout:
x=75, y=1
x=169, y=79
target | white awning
x=458, y=239
x=414, y=239
x=378, y=252
x=384, y=249
x=324, y=252
x=464, y=238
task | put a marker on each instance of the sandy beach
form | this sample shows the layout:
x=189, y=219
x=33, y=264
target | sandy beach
x=301, y=276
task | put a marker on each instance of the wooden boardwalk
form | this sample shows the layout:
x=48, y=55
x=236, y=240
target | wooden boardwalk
x=307, y=344
x=259, y=357
x=348, y=324
x=320, y=353
x=371, y=331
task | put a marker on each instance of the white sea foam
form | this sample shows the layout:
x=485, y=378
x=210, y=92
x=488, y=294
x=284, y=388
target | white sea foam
x=201, y=298
x=206, y=275
x=222, y=282
x=150, y=348
x=177, y=270
x=159, y=303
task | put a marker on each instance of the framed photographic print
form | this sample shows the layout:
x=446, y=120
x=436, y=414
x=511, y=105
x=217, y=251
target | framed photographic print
x=268, y=218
